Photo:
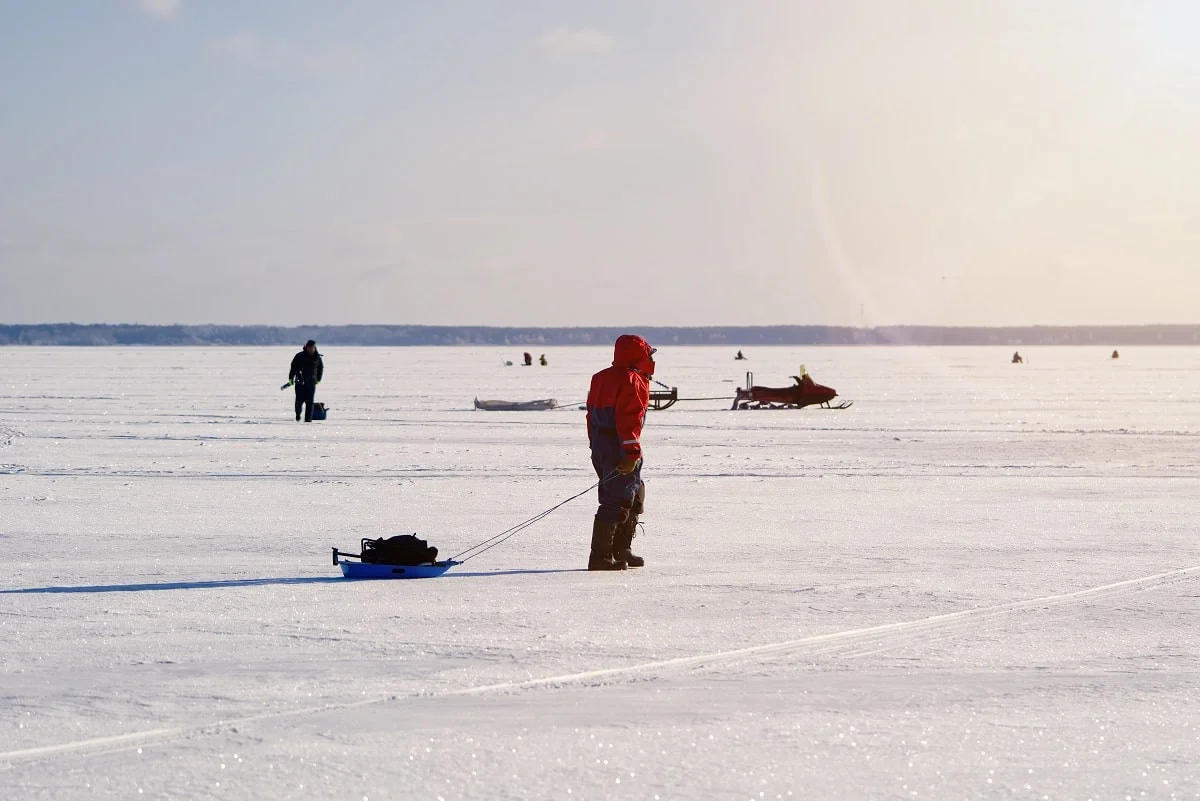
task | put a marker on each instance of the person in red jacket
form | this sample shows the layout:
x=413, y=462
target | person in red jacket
x=616, y=410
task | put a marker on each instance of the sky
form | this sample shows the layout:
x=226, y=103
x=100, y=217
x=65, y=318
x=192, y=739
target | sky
x=626, y=162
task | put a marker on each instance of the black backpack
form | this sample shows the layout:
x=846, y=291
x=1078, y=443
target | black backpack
x=403, y=549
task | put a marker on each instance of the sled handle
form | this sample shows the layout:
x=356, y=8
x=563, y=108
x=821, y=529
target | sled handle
x=337, y=553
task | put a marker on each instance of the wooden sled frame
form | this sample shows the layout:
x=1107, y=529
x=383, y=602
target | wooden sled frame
x=664, y=400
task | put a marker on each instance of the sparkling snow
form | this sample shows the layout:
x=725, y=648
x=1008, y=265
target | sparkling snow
x=980, y=581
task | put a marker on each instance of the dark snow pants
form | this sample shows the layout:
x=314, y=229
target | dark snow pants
x=620, y=496
x=304, y=398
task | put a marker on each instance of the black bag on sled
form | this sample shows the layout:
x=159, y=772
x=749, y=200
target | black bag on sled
x=403, y=549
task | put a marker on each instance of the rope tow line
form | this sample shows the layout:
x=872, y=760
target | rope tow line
x=492, y=542
x=664, y=386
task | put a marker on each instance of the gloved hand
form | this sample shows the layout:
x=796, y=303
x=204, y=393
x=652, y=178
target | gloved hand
x=628, y=465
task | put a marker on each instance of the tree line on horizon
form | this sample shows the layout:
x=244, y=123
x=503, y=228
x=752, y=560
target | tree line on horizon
x=100, y=335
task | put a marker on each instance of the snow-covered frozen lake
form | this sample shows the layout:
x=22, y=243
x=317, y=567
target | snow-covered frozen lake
x=980, y=581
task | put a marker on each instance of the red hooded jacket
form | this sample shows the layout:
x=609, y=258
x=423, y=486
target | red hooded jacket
x=619, y=395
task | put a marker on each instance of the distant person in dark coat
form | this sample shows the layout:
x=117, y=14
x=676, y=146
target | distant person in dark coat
x=306, y=372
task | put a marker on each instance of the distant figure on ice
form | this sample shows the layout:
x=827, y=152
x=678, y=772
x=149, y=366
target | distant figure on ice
x=542, y=360
x=528, y=359
x=306, y=372
x=739, y=357
x=1016, y=359
x=616, y=410
x=1116, y=355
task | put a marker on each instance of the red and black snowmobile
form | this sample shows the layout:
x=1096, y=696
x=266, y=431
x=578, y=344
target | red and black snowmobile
x=805, y=392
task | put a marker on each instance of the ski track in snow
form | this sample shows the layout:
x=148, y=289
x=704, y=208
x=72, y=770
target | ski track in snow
x=875, y=638
x=7, y=435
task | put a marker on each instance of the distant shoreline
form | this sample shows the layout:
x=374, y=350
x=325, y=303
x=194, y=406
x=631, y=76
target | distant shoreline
x=77, y=335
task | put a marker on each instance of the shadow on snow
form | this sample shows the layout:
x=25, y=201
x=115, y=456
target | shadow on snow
x=177, y=585
x=253, y=582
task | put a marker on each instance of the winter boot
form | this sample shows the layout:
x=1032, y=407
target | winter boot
x=601, y=557
x=622, y=539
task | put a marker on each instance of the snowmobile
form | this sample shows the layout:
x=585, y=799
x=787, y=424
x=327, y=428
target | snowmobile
x=805, y=392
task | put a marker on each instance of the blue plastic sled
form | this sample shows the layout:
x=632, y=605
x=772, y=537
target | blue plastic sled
x=367, y=570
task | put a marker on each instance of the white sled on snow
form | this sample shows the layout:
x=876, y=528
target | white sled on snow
x=540, y=405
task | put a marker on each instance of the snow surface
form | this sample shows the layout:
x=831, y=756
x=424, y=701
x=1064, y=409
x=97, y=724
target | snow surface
x=981, y=581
